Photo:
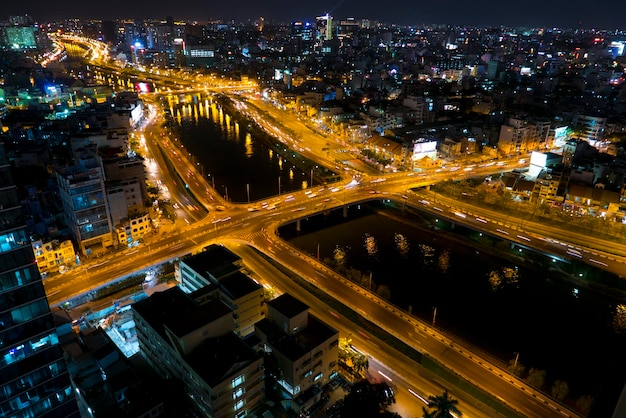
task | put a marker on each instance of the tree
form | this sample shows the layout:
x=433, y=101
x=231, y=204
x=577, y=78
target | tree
x=560, y=390
x=428, y=414
x=536, y=378
x=443, y=406
x=367, y=400
x=384, y=292
x=583, y=404
x=444, y=261
x=516, y=368
x=619, y=319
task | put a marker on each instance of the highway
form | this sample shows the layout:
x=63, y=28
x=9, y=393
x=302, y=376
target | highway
x=255, y=225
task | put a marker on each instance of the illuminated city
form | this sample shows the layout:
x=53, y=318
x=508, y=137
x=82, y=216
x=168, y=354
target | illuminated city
x=326, y=216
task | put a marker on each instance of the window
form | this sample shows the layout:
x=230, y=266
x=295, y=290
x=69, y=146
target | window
x=238, y=405
x=318, y=377
x=237, y=381
x=238, y=393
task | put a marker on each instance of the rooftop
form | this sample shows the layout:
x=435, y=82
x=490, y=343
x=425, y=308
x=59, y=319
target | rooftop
x=238, y=285
x=217, y=358
x=215, y=260
x=175, y=310
x=295, y=346
x=288, y=305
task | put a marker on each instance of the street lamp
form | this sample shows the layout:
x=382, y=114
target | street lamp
x=278, y=185
x=248, y=191
x=226, y=192
x=213, y=180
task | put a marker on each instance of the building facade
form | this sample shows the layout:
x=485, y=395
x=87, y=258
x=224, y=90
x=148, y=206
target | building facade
x=305, y=349
x=194, y=344
x=83, y=195
x=33, y=376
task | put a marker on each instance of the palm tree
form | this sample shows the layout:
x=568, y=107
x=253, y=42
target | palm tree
x=444, y=406
x=427, y=414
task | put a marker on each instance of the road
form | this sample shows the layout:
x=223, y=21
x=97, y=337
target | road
x=257, y=228
x=411, y=382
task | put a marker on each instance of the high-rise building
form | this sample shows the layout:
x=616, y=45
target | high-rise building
x=87, y=214
x=33, y=377
x=325, y=27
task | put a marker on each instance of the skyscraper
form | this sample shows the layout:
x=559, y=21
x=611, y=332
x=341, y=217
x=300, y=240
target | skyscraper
x=33, y=377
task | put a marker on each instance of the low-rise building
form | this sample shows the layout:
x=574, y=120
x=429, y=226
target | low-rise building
x=206, y=267
x=305, y=349
x=134, y=229
x=195, y=344
x=54, y=256
x=242, y=294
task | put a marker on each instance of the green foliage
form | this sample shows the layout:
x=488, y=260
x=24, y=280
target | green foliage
x=368, y=153
x=516, y=369
x=384, y=292
x=367, y=400
x=444, y=261
x=619, y=319
x=560, y=390
x=444, y=406
x=536, y=378
x=353, y=275
x=583, y=404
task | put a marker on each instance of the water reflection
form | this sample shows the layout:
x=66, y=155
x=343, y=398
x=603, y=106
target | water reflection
x=249, y=147
x=234, y=153
x=499, y=305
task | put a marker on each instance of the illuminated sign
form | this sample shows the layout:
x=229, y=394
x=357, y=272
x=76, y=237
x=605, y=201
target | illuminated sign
x=143, y=87
x=538, y=159
x=560, y=136
x=424, y=149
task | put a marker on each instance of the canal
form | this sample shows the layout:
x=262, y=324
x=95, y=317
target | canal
x=499, y=305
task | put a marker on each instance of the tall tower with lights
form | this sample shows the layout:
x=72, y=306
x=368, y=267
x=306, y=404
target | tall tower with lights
x=33, y=377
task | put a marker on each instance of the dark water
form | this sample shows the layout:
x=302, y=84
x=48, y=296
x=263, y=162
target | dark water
x=235, y=156
x=554, y=326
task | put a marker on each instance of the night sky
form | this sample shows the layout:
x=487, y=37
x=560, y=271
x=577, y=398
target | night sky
x=602, y=14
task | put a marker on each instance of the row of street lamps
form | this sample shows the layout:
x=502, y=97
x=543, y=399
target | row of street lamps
x=248, y=186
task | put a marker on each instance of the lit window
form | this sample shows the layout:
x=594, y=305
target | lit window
x=318, y=377
x=238, y=405
x=238, y=393
x=237, y=381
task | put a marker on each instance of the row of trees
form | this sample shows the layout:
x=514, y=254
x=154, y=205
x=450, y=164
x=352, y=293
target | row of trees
x=372, y=400
x=559, y=389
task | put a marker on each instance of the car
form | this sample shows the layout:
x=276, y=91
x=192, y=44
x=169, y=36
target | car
x=388, y=391
x=220, y=208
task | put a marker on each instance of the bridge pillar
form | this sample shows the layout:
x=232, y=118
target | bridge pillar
x=298, y=225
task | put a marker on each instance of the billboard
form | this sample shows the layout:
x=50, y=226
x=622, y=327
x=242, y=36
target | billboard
x=424, y=149
x=142, y=87
x=539, y=159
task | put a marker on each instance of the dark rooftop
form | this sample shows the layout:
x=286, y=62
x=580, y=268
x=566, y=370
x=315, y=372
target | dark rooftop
x=217, y=358
x=288, y=305
x=295, y=346
x=238, y=284
x=215, y=260
x=176, y=310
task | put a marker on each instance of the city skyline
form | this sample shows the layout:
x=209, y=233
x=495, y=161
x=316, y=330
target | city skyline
x=533, y=13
